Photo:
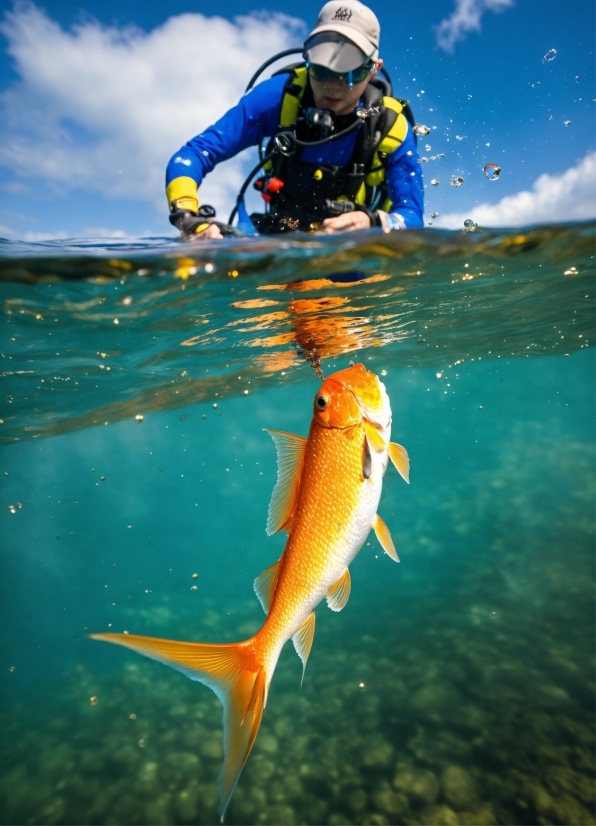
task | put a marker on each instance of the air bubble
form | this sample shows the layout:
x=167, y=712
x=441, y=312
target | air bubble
x=93, y=700
x=428, y=147
x=434, y=182
x=492, y=171
x=460, y=137
x=456, y=180
x=566, y=122
x=139, y=417
x=421, y=129
x=549, y=117
x=469, y=225
x=550, y=55
x=434, y=215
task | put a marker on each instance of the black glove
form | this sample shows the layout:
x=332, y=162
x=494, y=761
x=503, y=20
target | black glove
x=188, y=222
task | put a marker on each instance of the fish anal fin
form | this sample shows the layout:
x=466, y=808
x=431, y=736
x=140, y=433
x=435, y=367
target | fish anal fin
x=290, y=459
x=234, y=673
x=302, y=640
x=266, y=583
x=339, y=593
x=375, y=440
x=399, y=457
x=384, y=537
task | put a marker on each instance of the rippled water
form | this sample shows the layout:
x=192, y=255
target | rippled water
x=454, y=688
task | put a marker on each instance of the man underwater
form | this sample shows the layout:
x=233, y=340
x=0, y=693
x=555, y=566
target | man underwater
x=341, y=154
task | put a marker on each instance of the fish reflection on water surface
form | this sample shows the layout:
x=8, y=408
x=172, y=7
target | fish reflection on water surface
x=326, y=498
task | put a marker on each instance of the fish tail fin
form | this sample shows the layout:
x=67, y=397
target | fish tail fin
x=234, y=673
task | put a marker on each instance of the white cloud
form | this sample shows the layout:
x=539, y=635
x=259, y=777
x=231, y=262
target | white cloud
x=103, y=109
x=465, y=18
x=570, y=196
x=12, y=234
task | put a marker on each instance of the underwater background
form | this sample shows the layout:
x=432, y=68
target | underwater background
x=137, y=378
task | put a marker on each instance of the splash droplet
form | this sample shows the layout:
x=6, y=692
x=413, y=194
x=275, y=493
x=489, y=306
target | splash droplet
x=434, y=215
x=470, y=225
x=492, y=171
x=421, y=129
x=549, y=117
x=456, y=180
x=428, y=147
x=434, y=182
x=550, y=55
x=460, y=137
x=566, y=122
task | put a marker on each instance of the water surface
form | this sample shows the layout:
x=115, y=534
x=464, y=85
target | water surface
x=456, y=687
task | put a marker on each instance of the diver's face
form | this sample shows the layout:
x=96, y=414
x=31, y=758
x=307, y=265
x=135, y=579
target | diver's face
x=334, y=94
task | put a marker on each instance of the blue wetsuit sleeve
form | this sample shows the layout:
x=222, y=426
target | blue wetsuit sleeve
x=246, y=124
x=405, y=186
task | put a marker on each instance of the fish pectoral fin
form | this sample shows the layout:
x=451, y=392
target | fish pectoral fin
x=375, y=440
x=366, y=459
x=384, y=537
x=266, y=583
x=302, y=640
x=290, y=459
x=339, y=593
x=399, y=457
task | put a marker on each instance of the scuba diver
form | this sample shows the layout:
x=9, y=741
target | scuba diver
x=337, y=151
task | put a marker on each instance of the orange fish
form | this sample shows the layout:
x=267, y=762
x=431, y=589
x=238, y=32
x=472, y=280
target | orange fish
x=326, y=498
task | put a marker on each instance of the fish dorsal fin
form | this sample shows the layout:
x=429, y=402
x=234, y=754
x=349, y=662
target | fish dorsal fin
x=399, y=457
x=375, y=440
x=302, y=640
x=339, y=593
x=266, y=583
x=290, y=458
x=384, y=537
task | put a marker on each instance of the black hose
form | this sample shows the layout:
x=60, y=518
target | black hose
x=246, y=183
x=271, y=60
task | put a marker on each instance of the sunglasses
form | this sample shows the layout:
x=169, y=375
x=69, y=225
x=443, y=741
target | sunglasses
x=323, y=74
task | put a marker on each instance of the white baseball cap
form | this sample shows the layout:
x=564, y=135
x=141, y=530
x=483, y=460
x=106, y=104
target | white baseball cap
x=345, y=36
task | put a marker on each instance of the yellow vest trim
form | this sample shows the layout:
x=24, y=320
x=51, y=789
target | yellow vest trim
x=291, y=102
x=183, y=191
x=392, y=140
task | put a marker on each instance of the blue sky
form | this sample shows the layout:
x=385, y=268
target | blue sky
x=95, y=97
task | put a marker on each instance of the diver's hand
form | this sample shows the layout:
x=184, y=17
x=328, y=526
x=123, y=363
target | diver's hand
x=192, y=225
x=212, y=231
x=348, y=222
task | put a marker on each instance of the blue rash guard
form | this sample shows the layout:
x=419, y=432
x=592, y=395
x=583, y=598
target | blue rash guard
x=256, y=117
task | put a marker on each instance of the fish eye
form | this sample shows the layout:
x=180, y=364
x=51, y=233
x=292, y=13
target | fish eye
x=321, y=402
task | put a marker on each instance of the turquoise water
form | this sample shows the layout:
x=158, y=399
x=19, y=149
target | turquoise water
x=456, y=687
